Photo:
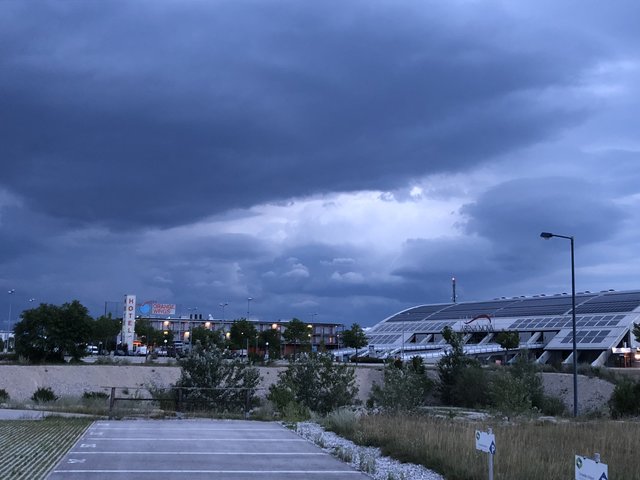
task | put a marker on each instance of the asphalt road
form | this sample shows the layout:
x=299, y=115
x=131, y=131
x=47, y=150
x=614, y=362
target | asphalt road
x=197, y=449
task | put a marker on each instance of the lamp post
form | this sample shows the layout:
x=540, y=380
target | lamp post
x=249, y=307
x=547, y=236
x=222, y=305
x=10, y=292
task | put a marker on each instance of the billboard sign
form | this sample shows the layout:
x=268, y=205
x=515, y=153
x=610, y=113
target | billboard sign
x=163, y=309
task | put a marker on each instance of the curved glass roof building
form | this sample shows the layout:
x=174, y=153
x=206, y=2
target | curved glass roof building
x=604, y=324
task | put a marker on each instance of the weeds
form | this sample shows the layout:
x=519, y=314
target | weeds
x=344, y=453
x=366, y=462
x=526, y=451
x=44, y=395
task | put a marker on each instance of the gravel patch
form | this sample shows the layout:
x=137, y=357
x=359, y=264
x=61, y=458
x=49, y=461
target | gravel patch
x=366, y=459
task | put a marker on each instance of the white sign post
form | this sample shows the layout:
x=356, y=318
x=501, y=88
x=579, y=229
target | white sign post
x=587, y=469
x=486, y=442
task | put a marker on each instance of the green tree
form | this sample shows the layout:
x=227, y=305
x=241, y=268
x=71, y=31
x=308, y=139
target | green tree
x=222, y=384
x=145, y=331
x=105, y=331
x=636, y=331
x=272, y=337
x=461, y=380
x=405, y=387
x=49, y=332
x=1, y=345
x=242, y=330
x=314, y=381
x=355, y=338
x=296, y=333
x=508, y=341
x=207, y=338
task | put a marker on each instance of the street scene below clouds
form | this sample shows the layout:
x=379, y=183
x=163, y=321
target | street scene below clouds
x=341, y=160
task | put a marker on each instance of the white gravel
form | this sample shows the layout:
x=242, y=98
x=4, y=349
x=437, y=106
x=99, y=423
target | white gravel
x=366, y=459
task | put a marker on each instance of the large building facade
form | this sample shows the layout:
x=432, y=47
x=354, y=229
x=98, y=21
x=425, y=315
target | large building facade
x=604, y=326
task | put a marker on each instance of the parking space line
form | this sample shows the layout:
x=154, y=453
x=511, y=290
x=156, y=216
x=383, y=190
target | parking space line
x=293, y=454
x=260, y=471
x=199, y=439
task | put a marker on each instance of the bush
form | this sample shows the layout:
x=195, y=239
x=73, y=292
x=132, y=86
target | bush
x=461, y=379
x=552, y=406
x=625, y=400
x=313, y=381
x=4, y=395
x=44, y=395
x=95, y=395
x=509, y=394
x=342, y=421
x=405, y=386
x=213, y=381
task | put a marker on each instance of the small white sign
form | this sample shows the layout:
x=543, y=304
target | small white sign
x=486, y=442
x=587, y=469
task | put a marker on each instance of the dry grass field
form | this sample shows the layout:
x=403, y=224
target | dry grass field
x=526, y=450
x=30, y=448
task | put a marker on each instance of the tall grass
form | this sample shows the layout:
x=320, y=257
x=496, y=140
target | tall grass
x=525, y=451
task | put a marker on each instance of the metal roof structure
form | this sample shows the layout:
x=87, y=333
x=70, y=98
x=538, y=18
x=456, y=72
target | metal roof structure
x=604, y=322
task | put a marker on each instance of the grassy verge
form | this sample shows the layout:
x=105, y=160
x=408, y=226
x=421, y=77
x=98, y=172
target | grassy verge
x=30, y=448
x=526, y=451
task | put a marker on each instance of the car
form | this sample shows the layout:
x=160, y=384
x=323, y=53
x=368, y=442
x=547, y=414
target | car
x=92, y=350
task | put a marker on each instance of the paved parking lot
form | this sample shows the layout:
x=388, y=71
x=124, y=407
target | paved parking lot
x=197, y=449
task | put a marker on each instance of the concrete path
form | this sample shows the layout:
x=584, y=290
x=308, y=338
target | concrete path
x=197, y=449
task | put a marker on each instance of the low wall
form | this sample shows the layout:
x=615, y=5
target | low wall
x=20, y=381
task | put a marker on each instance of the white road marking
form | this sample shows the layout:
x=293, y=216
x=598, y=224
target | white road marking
x=261, y=471
x=203, y=453
x=200, y=440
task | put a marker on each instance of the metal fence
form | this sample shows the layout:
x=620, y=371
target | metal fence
x=181, y=401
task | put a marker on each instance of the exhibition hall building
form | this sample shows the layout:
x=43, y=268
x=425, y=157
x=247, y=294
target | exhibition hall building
x=544, y=324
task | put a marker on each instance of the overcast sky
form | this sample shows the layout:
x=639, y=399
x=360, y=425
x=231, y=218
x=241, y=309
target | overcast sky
x=340, y=158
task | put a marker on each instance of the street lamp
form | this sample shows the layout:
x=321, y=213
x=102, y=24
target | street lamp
x=547, y=236
x=222, y=305
x=249, y=307
x=10, y=292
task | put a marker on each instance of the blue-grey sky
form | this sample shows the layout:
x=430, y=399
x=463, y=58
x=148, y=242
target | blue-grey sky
x=339, y=158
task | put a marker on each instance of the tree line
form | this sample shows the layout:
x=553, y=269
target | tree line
x=50, y=332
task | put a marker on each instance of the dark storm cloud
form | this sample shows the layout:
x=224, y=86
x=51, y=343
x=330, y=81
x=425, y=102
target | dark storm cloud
x=153, y=114
x=514, y=213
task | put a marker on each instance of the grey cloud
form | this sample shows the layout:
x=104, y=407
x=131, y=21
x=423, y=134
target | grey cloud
x=514, y=213
x=197, y=110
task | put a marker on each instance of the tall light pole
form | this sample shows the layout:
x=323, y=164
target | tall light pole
x=249, y=307
x=547, y=236
x=222, y=305
x=10, y=292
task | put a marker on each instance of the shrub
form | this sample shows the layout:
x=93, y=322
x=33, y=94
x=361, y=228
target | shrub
x=313, y=381
x=342, y=421
x=4, y=395
x=510, y=394
x=625, y=400
x=44, y=395
x=209, y=379
x=552, y=406
x=405, y=386
x=453, y=373
x=95, y=395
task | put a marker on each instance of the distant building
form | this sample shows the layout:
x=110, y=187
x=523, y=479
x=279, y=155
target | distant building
x=604, y=324
x=322, y=335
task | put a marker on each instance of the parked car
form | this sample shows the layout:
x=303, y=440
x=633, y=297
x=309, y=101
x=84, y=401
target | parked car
x=92, y=350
